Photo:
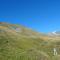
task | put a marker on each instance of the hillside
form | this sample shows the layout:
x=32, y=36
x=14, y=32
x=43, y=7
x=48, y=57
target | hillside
x=20, y=43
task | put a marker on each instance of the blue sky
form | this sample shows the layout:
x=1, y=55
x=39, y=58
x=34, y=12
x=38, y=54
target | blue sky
x=39, y=15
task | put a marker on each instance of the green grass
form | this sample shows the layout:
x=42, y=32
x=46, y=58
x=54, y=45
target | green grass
x=20, y=46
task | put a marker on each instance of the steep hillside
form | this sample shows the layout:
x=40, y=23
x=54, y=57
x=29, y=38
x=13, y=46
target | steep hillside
x=20, y=43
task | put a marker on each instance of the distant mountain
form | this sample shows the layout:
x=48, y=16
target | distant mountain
x=55, y=33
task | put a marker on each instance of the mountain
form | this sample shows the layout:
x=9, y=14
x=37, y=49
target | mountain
x=55, y=33
x=20, y=43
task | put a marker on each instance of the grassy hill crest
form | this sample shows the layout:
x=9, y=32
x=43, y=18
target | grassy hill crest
x=20, y=43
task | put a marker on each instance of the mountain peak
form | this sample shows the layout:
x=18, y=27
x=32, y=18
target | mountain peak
x=54, y=33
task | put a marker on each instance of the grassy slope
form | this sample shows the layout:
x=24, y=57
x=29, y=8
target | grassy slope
x=19, y=46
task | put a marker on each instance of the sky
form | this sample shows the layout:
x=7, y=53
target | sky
x=39, y=15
